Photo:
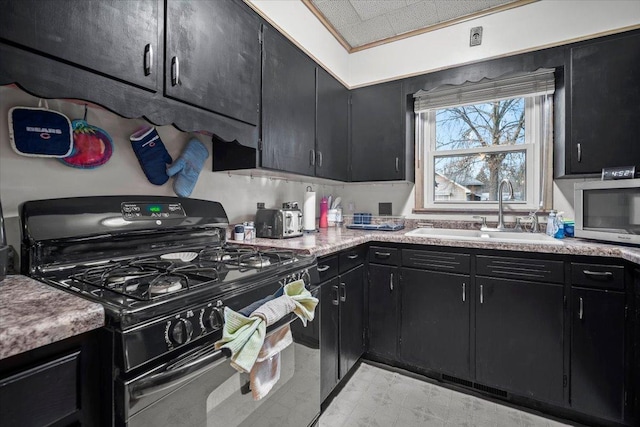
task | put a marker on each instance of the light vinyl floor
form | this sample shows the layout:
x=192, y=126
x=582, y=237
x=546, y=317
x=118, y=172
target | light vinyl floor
x=377, y=397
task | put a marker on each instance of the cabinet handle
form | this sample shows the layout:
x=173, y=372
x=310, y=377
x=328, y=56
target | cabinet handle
x=322, y=268
x=598, y=274
x=343, y=297
x=335, y=301
x=354, y=256
x=391, y=282
x=148, y=59
x=481, y=295
x=175, y=71
x=581, y=309
x=312, y=157
x=319, y=159
x=397, y=164
x=579, y=147
x=464, y=292
x=382, y=255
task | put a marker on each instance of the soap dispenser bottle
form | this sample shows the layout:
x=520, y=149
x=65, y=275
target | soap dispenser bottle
x=551, y=224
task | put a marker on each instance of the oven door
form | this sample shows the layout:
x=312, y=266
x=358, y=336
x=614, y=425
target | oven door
x=202, y=389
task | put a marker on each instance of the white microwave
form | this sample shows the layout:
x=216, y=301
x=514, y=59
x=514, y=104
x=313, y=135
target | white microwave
x=608, y=210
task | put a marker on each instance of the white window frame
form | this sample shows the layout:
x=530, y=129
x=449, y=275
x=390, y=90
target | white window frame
x=537, y=146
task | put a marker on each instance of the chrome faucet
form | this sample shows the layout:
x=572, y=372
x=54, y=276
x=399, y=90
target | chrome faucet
x=501, y=226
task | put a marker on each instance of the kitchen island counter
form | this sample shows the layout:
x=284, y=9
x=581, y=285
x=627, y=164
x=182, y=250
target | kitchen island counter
x=331, y=240
x=33, y=314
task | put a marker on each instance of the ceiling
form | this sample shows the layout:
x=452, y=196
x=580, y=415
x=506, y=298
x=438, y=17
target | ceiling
x=361, y=24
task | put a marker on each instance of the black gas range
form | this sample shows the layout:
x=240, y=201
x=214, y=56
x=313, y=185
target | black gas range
x=161, y=268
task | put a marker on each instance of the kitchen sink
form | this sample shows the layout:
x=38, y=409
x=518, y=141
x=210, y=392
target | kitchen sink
x=477, y=235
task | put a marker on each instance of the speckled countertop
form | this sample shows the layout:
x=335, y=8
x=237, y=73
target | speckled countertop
x=33, y=314
x=332, y=240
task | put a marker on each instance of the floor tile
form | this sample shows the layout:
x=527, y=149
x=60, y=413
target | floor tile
x=376, y=397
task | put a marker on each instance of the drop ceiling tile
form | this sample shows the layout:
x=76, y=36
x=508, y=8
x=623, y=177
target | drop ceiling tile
x=340, y=13
x=374, y=29
x=368, y=9
x=415, y=16
x=448, y=10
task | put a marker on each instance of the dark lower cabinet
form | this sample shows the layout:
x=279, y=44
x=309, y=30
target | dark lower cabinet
x=341, y=320
x=351, y=296
x=597, y=352
x=383, y=311
x=329, y=349
x=58, y=384
x=519, y=337
x=434, y=321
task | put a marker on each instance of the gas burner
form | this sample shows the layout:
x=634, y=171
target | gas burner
x=165, y=285
x=255, y=261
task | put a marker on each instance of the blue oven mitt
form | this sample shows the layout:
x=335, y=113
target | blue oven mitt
x=152, y=154
x=188, y=167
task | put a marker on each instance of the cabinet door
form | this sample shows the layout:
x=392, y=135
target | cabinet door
x=217, y=49
x=111, y=36
x=434, y=321
x=332, y=128
x=288, y=107
x=377, y=133
x=328, y=336
x=383, y=310
x=597, y=352
x=519, y=337
x=351, y=318
x=605, y=118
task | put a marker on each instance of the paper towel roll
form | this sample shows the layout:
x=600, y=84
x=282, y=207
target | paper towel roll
x=309, y=211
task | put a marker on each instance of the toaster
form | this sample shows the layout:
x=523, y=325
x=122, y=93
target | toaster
x=279, y=223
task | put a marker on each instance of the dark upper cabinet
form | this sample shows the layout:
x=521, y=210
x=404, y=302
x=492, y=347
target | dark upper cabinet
x=332, y=127
x=383, y=310
x=519, y=337
x=434, y=321
x=604, y=117
x=597, y=352
x=288, y=106
x=112, y=37
x=378, y=133
x=351, y=295
x=213, y=57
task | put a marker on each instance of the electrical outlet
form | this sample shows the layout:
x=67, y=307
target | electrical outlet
x=475, y=39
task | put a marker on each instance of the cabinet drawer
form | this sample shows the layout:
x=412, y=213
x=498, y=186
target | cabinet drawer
x=383, y=255
x=597, y=276
x=41, y=395
x=351, y=258
x=327, y=267
x=436, y=261
x=538, y=270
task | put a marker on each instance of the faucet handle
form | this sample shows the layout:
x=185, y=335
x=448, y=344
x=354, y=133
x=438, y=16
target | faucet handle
x=484, y=221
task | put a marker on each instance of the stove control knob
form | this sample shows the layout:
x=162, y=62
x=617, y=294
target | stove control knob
x=182, y=331
x=214, y=319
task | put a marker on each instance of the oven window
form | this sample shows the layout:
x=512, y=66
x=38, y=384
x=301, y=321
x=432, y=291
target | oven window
x=613, y=210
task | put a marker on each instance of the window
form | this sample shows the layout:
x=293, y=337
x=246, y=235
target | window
x=471, y=137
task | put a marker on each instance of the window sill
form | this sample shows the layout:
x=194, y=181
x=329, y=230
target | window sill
x=465, y=211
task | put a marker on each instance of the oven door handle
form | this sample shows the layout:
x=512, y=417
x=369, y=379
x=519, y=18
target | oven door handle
x=171, y=378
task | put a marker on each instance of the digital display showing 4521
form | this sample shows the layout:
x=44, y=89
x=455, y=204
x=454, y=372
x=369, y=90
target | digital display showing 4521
x=132, y=211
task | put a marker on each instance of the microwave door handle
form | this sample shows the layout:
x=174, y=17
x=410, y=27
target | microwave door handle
x=172, y=378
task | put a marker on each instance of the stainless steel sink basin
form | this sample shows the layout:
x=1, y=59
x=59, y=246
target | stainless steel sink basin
x=477, y=235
